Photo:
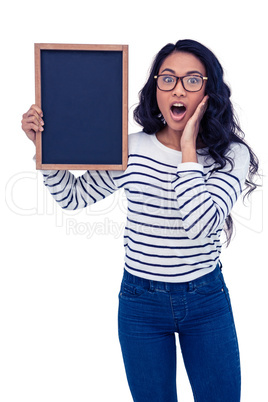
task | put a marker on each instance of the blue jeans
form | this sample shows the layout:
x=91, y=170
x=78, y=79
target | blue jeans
x=151, y=312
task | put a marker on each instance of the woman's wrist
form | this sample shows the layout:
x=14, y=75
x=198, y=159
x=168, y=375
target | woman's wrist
x=189, y=154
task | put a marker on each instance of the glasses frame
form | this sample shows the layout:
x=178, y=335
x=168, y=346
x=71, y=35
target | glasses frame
x=181, y=79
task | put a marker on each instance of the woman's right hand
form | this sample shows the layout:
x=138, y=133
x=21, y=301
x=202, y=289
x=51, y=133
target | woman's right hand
x=32, y=122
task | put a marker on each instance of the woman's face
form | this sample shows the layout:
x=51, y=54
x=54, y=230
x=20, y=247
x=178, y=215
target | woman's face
x=180, y=64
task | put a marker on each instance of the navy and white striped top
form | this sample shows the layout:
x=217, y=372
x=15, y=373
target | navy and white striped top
x=176, y=211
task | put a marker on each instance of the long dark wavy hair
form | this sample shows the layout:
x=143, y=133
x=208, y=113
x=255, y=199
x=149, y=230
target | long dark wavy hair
x=219, y=126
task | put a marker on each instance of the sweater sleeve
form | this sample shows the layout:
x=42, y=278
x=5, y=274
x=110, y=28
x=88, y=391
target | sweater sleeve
x=206, y=201
x=74, y=193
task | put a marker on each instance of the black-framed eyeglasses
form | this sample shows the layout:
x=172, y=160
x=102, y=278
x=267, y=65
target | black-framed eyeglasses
x=191, y=83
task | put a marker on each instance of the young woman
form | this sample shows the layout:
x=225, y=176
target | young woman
x=185, y=172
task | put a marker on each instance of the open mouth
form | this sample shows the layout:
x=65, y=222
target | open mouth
x=178, y=111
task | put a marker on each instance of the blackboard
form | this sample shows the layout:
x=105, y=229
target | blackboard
x=82, y=91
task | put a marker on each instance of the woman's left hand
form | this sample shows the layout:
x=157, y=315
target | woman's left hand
x=191, y=129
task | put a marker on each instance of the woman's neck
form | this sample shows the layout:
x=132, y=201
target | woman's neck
x=172, y=139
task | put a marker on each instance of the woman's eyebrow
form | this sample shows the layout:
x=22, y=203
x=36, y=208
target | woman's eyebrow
x=189, y=72
x=168, y=69
x=194, y=72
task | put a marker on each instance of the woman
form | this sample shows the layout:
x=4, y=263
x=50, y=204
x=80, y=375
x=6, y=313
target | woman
x=185, y=172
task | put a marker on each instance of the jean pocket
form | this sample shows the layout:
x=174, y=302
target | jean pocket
x=211, y=287
x=130, y=291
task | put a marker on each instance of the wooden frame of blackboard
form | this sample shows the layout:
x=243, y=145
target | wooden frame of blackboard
x=109, y=160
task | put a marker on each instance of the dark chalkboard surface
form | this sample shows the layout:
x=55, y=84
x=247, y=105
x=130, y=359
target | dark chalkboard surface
x=82, y=90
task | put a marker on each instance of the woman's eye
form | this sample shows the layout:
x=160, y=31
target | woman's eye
x=168, y=79
x=193, y=80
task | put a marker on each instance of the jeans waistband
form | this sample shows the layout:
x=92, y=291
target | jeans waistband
x=170, y=286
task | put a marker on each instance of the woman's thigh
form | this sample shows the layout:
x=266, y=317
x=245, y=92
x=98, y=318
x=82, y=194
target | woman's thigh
x=148, y=345
x=209, y=345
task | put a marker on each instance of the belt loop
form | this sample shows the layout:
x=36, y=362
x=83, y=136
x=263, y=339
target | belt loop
x=191, y=286
x=151, y=286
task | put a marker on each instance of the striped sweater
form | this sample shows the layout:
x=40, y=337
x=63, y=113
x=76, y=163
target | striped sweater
x=176, y=211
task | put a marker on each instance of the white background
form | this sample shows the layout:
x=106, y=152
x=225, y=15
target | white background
x=61, y=272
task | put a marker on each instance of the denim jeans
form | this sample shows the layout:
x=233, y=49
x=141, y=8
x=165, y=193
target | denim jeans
x=151, y=313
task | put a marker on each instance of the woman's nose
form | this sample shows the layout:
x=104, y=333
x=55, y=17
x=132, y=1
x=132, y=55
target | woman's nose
x=179, y=90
